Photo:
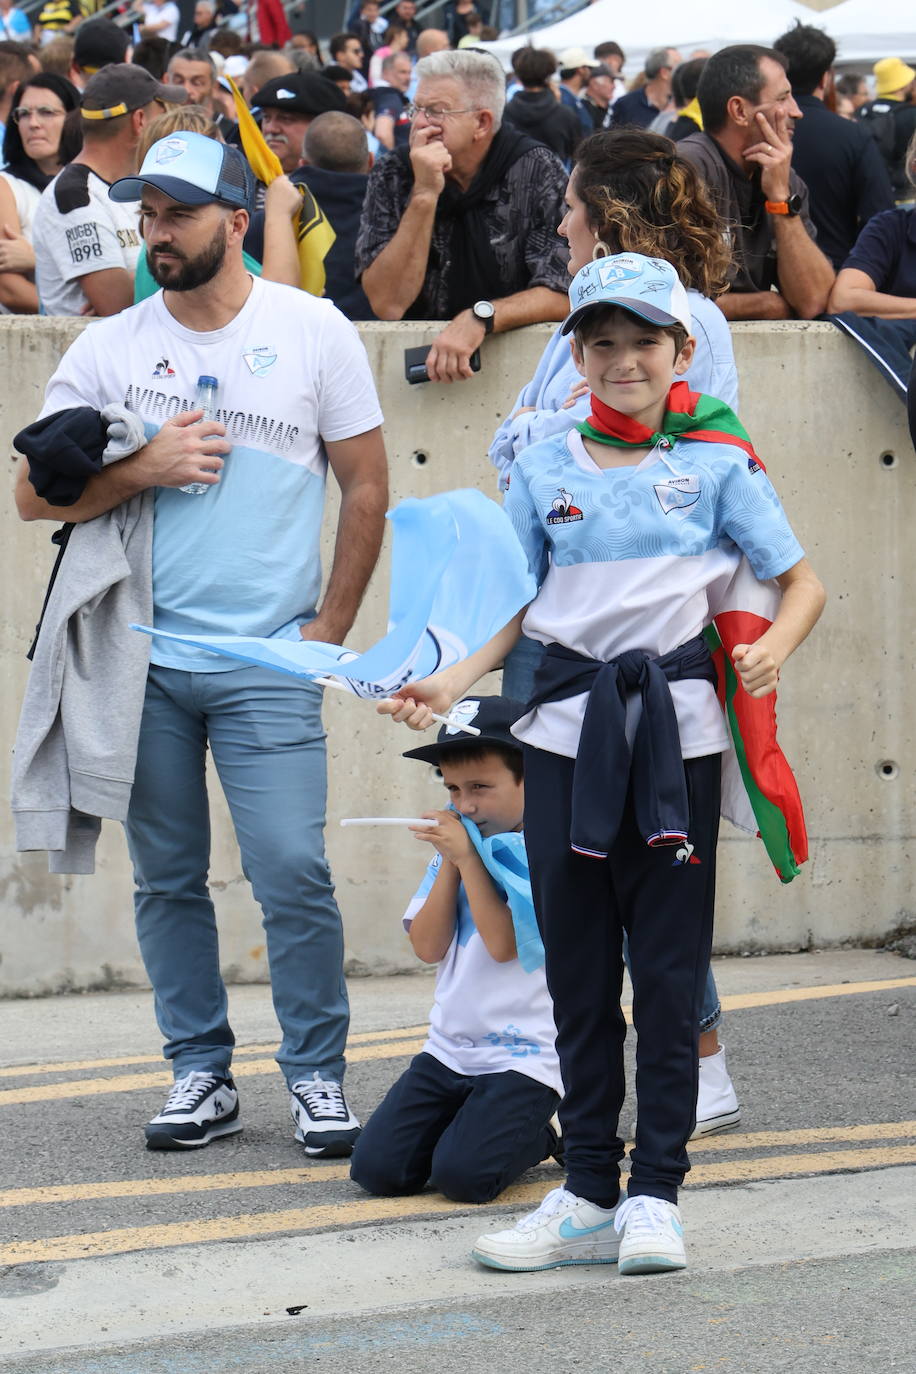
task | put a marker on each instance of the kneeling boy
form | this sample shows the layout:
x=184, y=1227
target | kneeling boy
x=472, y=1112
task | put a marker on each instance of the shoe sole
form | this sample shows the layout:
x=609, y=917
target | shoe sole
x=716, y=1125
x=161, y=1140
x=331, y=1146
x=491, y=1262
x=651, y=1264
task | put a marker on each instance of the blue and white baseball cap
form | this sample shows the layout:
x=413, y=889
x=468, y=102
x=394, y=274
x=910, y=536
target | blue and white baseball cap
x=648, y=287
x=194, y=170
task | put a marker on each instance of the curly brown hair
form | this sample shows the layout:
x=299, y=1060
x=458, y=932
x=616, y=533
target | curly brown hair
x=642, y=197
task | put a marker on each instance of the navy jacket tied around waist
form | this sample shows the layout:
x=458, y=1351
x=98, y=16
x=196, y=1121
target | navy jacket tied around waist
x=604, y=765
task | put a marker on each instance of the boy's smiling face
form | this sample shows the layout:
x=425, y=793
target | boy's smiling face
x=485, y=790
x=630, y=364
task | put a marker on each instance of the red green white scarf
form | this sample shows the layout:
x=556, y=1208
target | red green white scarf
x=759, y=791
x=689, y=415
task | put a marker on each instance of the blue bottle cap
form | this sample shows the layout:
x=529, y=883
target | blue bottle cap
x=207, y=381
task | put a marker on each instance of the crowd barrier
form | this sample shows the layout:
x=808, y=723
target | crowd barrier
x=834, y=440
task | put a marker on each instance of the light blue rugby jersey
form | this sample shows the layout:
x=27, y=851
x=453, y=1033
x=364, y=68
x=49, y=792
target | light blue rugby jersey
x=635, y=557
x=243, y=558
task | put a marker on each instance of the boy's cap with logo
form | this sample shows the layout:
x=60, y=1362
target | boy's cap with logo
x=306, y=93
x=492, y=716
x=647, y=287
x=192, y=169
x=98, y=43
x=121, y=88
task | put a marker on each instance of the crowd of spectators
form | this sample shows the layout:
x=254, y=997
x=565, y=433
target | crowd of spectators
x=442, y=177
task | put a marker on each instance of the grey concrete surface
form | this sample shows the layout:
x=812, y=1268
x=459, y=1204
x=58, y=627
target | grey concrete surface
x=809, y=1271
x=835, y=442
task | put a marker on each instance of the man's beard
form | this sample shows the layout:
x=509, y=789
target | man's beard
x=187, y=274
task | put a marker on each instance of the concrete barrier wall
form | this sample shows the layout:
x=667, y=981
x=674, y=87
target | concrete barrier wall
x=835, y=442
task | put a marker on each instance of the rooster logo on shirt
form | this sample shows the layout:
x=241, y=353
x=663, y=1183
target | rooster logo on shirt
x=563, y=512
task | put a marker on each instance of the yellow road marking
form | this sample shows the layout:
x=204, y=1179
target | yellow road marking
x=134, y=1082
x=300, y=1219
x=323, y=1173
x=809, y=1135
x=742, y=1000
x=123, y=1061
x=389, y=1044
x=162, y=1187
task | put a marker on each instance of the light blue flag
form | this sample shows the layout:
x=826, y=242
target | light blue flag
x=505, y=859
x=458, y=574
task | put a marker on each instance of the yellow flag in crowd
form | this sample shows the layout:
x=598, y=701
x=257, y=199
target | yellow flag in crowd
x=314, y=235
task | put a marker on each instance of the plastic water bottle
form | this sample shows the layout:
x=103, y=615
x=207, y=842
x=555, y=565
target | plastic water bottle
x=205, y=400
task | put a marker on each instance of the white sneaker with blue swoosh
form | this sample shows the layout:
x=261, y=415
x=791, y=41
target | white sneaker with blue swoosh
x=565, y=1229
x=651, y=1236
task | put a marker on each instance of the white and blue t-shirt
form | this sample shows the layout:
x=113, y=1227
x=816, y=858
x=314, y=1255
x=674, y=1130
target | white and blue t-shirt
x=635, y=558
x=243, y=558
x=487, y=1017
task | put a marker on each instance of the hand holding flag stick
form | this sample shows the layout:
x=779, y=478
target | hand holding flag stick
x=458, y=577
x=444, y=720
x=314, y=235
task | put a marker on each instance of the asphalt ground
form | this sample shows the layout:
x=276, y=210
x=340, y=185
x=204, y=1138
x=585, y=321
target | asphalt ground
x=801, y=1224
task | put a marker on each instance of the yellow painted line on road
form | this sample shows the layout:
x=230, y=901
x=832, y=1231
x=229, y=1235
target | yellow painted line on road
x=741, y=1001
x=163, y=1187
x=123, y=1061
x=297, y=1220
x=323, y=1173
x=809, y=1135
x=135, y=1082
x=818, y=1162
x=387, y=1044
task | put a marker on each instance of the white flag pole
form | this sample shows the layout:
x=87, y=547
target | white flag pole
x=444, y=720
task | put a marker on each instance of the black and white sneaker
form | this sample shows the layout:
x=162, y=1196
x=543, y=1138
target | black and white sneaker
x=324, y=1123
x=199, y=1108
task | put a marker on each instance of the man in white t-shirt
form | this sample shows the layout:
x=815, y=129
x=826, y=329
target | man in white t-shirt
x=473, y=1110
x=160, y=20
x=86, y=245
x=294, y=395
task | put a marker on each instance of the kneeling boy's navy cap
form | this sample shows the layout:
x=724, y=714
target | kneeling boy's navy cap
x=492, y=716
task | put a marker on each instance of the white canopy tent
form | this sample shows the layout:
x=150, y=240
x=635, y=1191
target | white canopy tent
x=863, y=30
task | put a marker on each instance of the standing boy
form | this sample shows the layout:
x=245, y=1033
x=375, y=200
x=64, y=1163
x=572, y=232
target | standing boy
x=634, y=523
x=472, y=1111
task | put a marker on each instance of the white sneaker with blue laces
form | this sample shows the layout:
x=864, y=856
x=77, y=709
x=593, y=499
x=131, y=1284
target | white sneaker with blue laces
x=651, y=1236
x=565, y=1229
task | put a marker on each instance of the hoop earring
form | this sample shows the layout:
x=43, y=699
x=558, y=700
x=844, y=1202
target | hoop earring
x=600, y=250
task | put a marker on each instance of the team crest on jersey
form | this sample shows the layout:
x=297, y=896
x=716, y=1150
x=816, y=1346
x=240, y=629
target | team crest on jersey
x=678, y=494
x=563, y=512
x=163, y=369
x=260, y=360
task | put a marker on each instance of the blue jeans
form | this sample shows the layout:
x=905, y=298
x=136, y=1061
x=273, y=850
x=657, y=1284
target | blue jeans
x=518, y=681
x=267, y=740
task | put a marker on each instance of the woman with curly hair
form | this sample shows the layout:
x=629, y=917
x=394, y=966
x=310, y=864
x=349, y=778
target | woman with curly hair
x=630, y=192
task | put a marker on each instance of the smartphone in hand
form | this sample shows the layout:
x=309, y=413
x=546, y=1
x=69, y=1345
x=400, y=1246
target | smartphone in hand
x=415, y=363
